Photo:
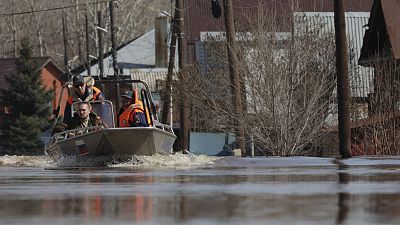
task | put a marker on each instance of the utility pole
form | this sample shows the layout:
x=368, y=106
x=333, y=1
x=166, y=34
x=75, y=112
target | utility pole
x=113, y=45
x=64, y=25
x=14, y=30
x=100, y=41
x=87, y=45
x=114, y=54
x=184, y=105
x=234, y=75
x=78, y=31
x=171, y=65
x=343, y=86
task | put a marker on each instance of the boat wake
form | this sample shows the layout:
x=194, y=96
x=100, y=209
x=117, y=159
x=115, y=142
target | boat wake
x=158, y=160
x=25, y=161
x=175, y=160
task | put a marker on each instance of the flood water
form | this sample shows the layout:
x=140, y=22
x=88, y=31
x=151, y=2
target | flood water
x=188, y=189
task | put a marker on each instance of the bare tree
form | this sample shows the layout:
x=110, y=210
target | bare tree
x=288, y=80
x=40, y=20
x=379, y=133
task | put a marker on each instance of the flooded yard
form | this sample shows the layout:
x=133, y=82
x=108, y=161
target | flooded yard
x=188, y=189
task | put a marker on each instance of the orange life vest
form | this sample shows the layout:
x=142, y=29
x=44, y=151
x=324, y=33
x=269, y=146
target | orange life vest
x=127, y=117
x=94, y=92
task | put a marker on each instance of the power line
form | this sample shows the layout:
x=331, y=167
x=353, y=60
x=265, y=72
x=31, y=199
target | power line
x=50, y=9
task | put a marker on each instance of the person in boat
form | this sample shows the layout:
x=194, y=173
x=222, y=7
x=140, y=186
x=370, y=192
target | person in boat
x=132, y=113
x=84, y=117
x=125, y=100
x=81, y=89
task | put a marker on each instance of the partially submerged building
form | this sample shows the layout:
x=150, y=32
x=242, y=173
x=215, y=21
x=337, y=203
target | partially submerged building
x=382, y=39
x=291, y=18
x=378, y=134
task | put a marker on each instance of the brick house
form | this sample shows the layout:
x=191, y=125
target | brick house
x=51, y=74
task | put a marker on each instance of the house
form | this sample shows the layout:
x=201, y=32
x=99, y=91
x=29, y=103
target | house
x=378, y=134
x=199, y=20
x=381, y=51
x=382, y=39
x=200, y=25
x=291, y=17
x=51, y=74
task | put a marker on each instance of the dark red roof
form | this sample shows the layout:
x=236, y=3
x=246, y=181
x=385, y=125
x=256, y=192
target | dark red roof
x=381, y=38
x=8, y=66
x=198, y=15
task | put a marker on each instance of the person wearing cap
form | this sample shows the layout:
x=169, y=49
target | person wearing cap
x=81, y=89
x=125, y=100
x=132, y=113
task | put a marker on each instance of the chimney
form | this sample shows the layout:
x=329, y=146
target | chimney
x=160, y=35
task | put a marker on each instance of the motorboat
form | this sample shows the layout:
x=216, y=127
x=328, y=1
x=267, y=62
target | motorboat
x=110, y=141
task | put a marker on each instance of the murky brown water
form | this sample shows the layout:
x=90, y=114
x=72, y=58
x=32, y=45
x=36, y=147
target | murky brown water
x=196, y=190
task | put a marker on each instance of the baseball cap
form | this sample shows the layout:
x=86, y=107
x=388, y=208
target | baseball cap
x=78, y=79
x=127, y=94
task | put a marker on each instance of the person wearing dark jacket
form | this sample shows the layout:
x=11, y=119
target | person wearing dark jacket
x=84, y=118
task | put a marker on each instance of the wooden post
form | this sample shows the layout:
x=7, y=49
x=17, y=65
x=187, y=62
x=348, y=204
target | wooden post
x=100, y=40
x=114, y=55
x=343, y=85
x=78, y=31
x=234, y=75
x=87, y=45
x=184, y=105
x=64, y=25
x=167, y=109
x=14, y=30
x=113, y=44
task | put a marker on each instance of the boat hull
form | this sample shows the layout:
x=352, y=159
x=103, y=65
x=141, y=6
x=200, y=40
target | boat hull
x=111, y=143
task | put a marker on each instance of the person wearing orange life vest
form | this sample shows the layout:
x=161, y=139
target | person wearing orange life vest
x=81, y=89
x=132, y=113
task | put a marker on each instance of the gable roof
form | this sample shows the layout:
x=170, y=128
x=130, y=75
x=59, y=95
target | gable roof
x=138, y=53
x=81, y=68
x=9, y=66
x=198, y=15
x=391, y=11
x=381, y=40
x=48, y=61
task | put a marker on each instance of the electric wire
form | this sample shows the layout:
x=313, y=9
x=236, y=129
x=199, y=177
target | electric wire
x=50, y=9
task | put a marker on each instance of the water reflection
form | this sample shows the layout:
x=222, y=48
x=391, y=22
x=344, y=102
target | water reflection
x=343, y=197
x=215, y=195
x=137, y=207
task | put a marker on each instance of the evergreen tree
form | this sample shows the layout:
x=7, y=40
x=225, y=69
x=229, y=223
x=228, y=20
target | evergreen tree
x=29, y=104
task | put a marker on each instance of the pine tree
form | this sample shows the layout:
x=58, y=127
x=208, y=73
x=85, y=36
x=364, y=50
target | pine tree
x=29, y=104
